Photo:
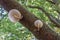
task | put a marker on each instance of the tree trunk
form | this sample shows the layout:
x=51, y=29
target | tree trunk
x=45, y=33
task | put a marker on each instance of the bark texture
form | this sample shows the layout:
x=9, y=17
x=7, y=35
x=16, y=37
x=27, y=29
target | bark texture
x=45, y=33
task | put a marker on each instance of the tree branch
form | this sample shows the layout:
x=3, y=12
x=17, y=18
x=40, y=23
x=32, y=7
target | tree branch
x=45, y=33
x=57, y=24
x=54, y=2
x=51, y=1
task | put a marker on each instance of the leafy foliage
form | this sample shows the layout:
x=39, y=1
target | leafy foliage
x=11, y=31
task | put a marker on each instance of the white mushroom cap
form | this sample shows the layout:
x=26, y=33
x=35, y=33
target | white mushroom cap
x=14, y=15
x=38, y=24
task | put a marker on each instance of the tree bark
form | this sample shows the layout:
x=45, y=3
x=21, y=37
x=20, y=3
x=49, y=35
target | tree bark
x=45, y=33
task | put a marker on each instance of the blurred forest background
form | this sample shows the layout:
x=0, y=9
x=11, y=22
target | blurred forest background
x=11, y=31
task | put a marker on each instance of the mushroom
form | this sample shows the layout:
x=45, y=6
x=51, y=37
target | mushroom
x=14, y=15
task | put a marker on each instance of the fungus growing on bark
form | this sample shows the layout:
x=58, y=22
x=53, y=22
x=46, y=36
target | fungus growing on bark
x=14, y=15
